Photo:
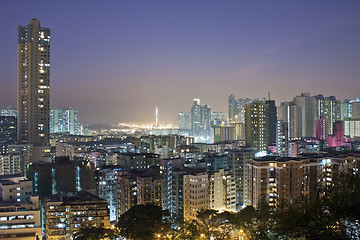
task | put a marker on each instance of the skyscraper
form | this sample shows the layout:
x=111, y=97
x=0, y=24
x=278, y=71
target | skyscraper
x=33, y=84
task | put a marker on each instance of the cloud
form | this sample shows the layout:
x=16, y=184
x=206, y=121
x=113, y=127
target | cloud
x=253, y=68
x=279, y=47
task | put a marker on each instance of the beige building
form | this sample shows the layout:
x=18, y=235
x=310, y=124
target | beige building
x=15, y=188
x=222, y=191
x=33, y=84
x=196, y=194
x=276, y=180
x=64, y=216
x=20, y=220
x=19, y=210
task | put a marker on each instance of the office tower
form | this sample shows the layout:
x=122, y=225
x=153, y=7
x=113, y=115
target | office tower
x=330, y=107
x=19, y=209
x=346, y=109
x=8, y=129
x=33, y=84
x=9, y=112
x=272, y=116
x=282, y=139
x=66, y=215
x=63, y=120
x=256, y=126
x=307, y=105
x=290, y=113
x=355, y=107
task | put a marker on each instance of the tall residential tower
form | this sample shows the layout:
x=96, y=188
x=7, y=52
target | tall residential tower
x=33, y=84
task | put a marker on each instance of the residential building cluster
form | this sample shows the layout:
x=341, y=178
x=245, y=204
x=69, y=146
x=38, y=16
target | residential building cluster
x=56, y=178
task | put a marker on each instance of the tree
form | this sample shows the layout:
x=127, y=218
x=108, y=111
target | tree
x=334, y=215
x=94, y=233
x=141, y=222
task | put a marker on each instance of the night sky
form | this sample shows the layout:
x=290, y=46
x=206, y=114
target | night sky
x=116, y=60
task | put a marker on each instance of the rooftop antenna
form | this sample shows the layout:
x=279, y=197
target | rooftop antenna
x=269, y=96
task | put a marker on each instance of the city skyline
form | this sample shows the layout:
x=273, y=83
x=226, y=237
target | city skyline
x=116, y=62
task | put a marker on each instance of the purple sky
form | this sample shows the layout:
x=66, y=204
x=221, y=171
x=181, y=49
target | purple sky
x=116, y=60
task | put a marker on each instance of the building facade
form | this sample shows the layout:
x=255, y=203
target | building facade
x=33, y=84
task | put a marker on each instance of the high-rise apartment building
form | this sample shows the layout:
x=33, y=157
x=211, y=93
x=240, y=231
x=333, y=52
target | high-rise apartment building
x=237, y=109
x=330, y=107
x=276, y=180
x=272, y=118
x=307, y=105
x=33, y=84
x=355, y=108
x=282, y=139
x=290, y=113
x=63, y=120
x=256, y=126
x=237, y=165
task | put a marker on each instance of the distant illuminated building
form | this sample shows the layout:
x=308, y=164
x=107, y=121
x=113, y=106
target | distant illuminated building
x=337, y=138
x=321, y=127
x=355, y=108
x=307, y=105
x=346, y=109
x=63, y=120
x=184, y=120
x=236, y=109
x=330, y=107
x=352, y=128
x=9, y=112
x=290, y=113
